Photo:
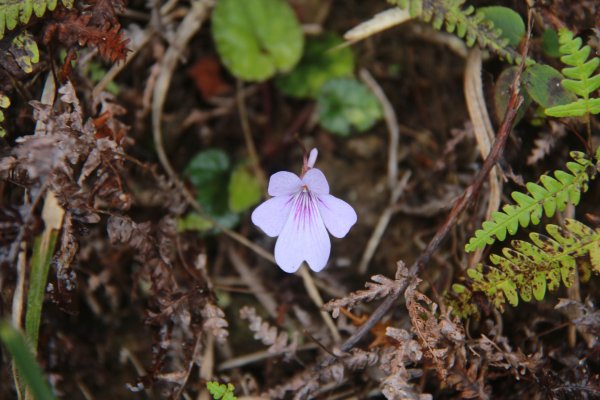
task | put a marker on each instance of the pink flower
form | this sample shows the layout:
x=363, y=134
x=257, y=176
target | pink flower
x=301, y=212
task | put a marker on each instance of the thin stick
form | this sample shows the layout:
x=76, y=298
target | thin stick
x=258, y=356
x=392, y=124
x=253, y=282
x=313, y=293
x=396, y=188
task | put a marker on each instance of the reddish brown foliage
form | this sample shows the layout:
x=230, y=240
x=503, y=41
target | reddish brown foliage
x=96, y=27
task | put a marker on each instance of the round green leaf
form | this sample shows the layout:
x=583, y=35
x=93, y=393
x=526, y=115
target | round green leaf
x=344, y=104
x=244, y=190
x=207, y=165
x=321, y=61
x=508, y=21
x=209, y=173
x=543, y=83
x=256, y=38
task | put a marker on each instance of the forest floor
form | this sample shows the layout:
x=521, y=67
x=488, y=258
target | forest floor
x=154, y=290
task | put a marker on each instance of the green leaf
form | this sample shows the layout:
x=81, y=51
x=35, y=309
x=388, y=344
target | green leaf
x=321, y=62
x=13, y=12
x=510, y=292
x=207, y=165
x=194, y=222
x=220, y=391
x=29, y=369
x=209, y=173
x=256, y=39
x=508, y=21
x=550, y=44
x=344, y=105
x=25, y=51
x=199, y=223
x=543, y=84
x=244, y=189
x=575, y=109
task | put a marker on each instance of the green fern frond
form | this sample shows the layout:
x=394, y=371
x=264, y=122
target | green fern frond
x=529, y=269
x=553, y=194
x=220, y=391
x=14, y=12
x=579, y=79
x=467, y=23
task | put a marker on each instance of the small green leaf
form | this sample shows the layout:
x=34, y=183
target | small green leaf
x=207, y=165
x=539, y=286
x=543, y=83
x=209, y=173
x=194, y=222
x=256, y=39
x=508, y=21
x=575, y=109
x=25, y=51
x=510, y=291
x=550, y=44
x=321, y=62
x=244, y=190
x=221, y=391
x=4, y=101
x=344, y=105
x=25, y=361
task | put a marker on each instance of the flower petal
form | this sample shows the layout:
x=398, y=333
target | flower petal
x=284, y=182
x=316, y=181
x=337, y=215
x=303, y=238
x=271, y=215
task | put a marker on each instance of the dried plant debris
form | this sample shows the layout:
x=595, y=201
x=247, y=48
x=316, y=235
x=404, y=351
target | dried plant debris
x=278, y=342
x=379, y=288
x=142, y=297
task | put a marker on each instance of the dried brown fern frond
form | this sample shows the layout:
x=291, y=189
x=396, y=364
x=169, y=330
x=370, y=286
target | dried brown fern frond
x=278, y=342
x=379, y=288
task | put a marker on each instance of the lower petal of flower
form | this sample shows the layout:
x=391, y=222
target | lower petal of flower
x=304, y=237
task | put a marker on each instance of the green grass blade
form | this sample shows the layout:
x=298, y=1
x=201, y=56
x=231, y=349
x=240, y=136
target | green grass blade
x=29, y=369
x=40, y=264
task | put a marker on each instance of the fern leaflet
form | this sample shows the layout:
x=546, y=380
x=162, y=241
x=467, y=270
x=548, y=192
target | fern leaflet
x=553, y=194
x=221, y=391
x=13, y=12
x=529, y=269
x=466, y=23
x=581, y=81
